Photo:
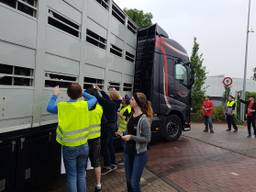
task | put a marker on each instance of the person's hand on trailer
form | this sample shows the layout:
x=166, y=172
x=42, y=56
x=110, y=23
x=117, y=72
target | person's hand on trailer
x=56, y=90
x=96, y=87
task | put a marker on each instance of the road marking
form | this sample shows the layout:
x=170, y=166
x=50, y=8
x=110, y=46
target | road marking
x=233, y=173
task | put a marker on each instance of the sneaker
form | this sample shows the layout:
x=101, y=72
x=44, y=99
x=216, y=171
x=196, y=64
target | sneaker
x=211, y=131
x=235, y=131
x=228, y=129
x=120, y=163
x=113, y=167
x=248, y=136
x=97, y=189
x=106, y=170
x=205, y=130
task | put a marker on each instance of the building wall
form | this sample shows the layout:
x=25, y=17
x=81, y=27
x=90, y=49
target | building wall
x=214, y=86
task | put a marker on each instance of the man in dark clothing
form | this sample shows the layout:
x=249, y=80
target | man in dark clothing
x=110, y=104
x=250, y=114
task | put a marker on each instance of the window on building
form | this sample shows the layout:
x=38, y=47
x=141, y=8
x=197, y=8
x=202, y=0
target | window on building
x=118, y=13
x=62, y=23
x=127, y=87
x=116, y=50
x=54, y=79
x=131, y=27
x=16, y=76
x=130, y=57
x=26, y=6
x=95, y=39
x=104, y=3
x=114, y=85
x=89, y=82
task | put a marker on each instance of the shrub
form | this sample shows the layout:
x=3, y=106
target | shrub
x=196, y=116
x=218, y=114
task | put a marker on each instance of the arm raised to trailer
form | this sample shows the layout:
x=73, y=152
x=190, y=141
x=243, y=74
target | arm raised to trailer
x=52, y=106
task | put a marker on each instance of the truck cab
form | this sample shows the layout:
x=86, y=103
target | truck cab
x=163, y=72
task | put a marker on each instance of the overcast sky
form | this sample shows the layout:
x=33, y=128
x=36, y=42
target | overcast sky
x=219, y=25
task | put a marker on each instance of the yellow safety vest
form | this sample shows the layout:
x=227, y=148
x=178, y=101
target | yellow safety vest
x=73, y=123
x=230, y=103
x=95, y=122
x=122, y=123
x=230, y=106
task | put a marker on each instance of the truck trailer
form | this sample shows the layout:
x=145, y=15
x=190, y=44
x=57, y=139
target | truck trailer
x=47, y=43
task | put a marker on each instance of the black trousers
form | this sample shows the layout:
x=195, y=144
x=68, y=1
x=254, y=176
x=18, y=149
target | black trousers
x=251, y=121
x=231, y=121
x=107, y=143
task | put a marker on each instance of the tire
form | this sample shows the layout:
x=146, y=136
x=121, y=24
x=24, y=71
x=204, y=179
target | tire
x=172, y=128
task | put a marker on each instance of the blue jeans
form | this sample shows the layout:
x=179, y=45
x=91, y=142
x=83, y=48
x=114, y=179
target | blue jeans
x=208, y=122
x=134, y=166
x=75, y=162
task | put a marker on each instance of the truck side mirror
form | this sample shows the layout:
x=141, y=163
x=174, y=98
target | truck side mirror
x=191, y=75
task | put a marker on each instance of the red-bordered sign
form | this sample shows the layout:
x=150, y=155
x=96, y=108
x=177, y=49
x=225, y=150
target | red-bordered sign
x=227, y=81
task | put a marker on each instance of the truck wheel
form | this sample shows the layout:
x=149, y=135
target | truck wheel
x=172, y=128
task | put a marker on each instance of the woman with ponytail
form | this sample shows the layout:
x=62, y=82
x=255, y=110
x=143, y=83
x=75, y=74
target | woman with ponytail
x=137, y=138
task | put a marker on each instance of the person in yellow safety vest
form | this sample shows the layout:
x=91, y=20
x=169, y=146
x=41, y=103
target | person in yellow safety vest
x=230, y=113
x=72, y=133
x=124, y=114
x=94, y=141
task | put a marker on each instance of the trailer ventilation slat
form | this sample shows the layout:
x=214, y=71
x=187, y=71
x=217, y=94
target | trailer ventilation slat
x=26, y=6
x=130, y=57
x=16, y=76
x=116, y=50
x=54, y=79
x=104, y=3
x=89, y=82
x=131, y=27
x=118, y=14
x=127, y=87
x=95, y=39
x=114, y=85
x=57, y=20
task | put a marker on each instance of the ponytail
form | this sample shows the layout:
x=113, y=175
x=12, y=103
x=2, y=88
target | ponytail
x=144, y=104
x=148, y=110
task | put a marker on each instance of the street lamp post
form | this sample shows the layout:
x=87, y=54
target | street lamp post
x=246, y=59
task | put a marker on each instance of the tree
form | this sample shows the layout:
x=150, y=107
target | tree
x=198, y=91
x=139, y=17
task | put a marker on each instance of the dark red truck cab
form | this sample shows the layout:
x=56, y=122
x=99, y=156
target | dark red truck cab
x=164, y=73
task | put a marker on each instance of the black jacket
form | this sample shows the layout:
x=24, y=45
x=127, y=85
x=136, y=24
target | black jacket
x=247, y=103
x=110, y=108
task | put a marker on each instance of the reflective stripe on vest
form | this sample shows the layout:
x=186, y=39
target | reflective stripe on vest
x=122, y=123
x=94, y=129
x=72, y=132
x=230, y=103
x=95, y=122
x=71, y=140
x=73, y=123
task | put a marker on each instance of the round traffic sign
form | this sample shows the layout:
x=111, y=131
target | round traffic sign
x=227, y=81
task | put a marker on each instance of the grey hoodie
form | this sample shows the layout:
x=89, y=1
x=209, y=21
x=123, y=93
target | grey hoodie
x=143, y=134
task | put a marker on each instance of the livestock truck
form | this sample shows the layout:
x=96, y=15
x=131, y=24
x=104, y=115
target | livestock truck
x=47, y=43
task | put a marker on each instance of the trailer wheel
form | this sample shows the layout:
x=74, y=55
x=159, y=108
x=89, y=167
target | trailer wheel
x=172, y=128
